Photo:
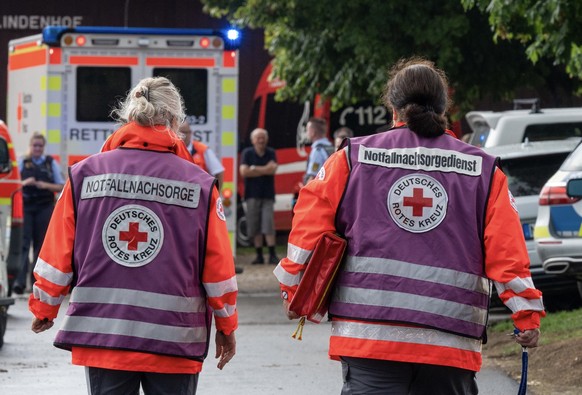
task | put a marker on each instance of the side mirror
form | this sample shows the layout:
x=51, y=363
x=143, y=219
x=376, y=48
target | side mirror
x=574, y=187
x=5, y=162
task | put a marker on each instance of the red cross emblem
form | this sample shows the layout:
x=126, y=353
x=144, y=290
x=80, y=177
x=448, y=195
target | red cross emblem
x=417, y=202
x=133, y=236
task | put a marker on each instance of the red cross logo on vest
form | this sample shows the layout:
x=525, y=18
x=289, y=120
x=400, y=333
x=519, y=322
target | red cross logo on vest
x=133, y=236
x=425, y=195
x=417, y=202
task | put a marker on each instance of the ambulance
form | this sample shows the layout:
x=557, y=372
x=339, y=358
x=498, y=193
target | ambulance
x=65, y=81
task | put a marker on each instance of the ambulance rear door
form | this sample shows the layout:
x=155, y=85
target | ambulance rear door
x=99, y=71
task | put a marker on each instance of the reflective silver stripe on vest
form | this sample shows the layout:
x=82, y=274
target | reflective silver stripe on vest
x=517, y=285
x=227, y=311
x=445, y=308
x=144, y=330
x=215, y=290
x=297, y=254
x=517, y=303
x=45, y=297
x=285, y=277
x=414, y=271
x=403, y=334
x=135, y=298
x=51, y=273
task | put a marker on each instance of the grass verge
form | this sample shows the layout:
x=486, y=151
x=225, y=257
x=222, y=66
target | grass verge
x=555, y=326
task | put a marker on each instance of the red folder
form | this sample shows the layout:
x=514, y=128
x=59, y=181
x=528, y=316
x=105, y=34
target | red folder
x=312, y=297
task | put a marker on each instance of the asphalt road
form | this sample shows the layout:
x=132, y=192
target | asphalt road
x=268, y=360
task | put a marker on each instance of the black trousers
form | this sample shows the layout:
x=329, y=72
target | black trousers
x=123, y=382
x=377, y=377
x=36, y=221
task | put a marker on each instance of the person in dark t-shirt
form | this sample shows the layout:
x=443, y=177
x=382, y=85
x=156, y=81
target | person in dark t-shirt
x=258, y=166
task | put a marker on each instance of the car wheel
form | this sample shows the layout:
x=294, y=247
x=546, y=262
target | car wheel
x=3, y=320
x=242, y=237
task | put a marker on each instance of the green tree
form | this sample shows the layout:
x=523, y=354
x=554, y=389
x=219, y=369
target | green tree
x=549, y=28
x=342, y=49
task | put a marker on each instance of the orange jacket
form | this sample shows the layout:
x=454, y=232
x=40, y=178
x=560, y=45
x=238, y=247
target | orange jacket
x=506, y=263
x=218, y=276
x=198, y=157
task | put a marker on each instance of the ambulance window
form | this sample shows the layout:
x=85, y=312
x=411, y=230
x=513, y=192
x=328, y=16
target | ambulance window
x=193, y=85
x=99, y=89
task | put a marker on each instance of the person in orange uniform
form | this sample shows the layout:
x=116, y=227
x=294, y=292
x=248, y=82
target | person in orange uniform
x=202, y=155
x=410, y=304
x=143, y=290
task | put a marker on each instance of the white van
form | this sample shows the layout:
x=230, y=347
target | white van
x=491, y=128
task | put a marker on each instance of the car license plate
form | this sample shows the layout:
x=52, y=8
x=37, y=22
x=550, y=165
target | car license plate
x=528, y=230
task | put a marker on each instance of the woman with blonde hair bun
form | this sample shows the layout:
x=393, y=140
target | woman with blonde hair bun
x=153, y=101
x=156, y=104
x=141, y=234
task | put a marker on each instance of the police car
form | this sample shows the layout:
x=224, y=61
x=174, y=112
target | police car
x=493, y=128
x=527, y=167
x=558, y=230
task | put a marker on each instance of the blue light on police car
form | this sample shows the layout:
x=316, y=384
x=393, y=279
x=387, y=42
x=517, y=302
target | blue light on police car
x=232, y=34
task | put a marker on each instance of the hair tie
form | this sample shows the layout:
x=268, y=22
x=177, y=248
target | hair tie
x=143, y=92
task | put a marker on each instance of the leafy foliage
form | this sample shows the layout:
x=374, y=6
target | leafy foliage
x=342, y=49
x=549, y=28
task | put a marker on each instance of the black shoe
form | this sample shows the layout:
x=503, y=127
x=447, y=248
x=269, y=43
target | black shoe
x=18, y=289
x=273, y=260
x=238, y=269
x=258, y=261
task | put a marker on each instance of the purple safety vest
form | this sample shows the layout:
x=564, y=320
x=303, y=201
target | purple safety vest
x=141, y=224
x=413, y=214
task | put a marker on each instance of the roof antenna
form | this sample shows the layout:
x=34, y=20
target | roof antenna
x=534, y=103
x=126, y=13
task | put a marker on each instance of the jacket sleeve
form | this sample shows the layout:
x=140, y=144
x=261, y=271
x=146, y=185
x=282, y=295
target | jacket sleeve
x=506, y=257
x=54, y=268
x=313, y=215
x=218, y=276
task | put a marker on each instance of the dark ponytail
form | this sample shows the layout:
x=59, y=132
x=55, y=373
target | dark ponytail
x=418, y=91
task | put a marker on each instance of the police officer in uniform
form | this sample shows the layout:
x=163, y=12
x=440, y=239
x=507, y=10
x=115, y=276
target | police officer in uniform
x=41, y=179
x=321, y=147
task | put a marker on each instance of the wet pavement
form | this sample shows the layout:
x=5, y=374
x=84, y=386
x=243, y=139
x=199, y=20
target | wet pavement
x=268, y=360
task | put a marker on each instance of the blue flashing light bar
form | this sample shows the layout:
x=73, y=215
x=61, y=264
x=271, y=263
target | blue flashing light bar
x=51, y=35
x=232, y=34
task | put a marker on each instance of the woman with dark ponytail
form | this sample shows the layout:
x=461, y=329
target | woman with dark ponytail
x=417, y=94
x=409, y=307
